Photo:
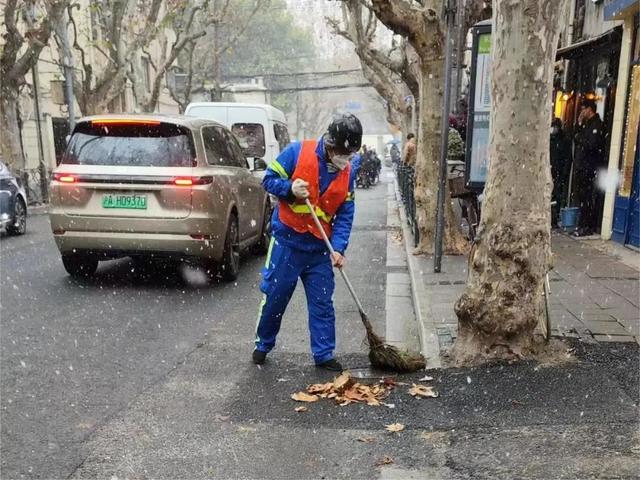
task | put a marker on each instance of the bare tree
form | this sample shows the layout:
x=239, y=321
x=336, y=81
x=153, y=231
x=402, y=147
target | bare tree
x=123, y=29
x=25, y=37
x=225, y=22
x=503, y=299
x=187, y=29
x=316, y=113
x=359, y=27
x=421, y=23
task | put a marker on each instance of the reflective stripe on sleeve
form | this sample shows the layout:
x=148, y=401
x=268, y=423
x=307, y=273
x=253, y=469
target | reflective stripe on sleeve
x=279, y=169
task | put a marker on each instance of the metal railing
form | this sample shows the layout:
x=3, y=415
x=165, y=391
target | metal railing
x=36, y=185
x=407, y=183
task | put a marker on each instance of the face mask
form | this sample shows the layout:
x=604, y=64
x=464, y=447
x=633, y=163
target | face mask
x=340, y=161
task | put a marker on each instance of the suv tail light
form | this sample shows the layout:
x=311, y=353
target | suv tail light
x=190, y=181
x=64, y=178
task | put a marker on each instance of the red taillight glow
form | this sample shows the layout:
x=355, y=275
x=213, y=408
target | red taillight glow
x=64, y=178
x=124, y=121
x=183, y=182
x=190, y=181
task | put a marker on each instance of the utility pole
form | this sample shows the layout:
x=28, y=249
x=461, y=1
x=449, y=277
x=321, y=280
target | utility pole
x=67, y=62
x=44, y=180
x=450, y=12
x=42, y=166
x=460, y=52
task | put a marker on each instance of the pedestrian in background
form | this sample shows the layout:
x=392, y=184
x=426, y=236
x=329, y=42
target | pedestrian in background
x=589, y=157
x=560, y=159
x=409, y=152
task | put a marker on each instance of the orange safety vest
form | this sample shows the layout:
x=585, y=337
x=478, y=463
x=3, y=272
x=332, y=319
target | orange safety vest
x=297, y=215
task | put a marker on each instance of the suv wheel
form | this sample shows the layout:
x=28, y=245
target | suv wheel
x=231, y=257
x=79, y=266
x=265, y=236
x=19, y=225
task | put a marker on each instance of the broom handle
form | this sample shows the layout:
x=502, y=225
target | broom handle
x=332, y=251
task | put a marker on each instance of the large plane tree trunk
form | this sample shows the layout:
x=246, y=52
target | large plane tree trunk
x=424, y=29
x=503, y=300
x=10, y=145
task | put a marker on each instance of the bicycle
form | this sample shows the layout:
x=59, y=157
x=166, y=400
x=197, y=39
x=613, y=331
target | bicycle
x=467, y=199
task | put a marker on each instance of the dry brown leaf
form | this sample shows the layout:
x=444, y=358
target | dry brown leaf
x=394, y=427
x=332, y=395
x=386, y=460
x=301, y=409
x=304, y=397
x=320, y=387
x=366, y=439
x=342, y=381
x=345, y=403
x=422, y=391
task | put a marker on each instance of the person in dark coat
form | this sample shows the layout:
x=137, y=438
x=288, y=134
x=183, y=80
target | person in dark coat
x=589, y=157
x=560, y=158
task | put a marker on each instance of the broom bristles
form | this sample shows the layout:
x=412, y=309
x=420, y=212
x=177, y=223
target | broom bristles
x=388, y=357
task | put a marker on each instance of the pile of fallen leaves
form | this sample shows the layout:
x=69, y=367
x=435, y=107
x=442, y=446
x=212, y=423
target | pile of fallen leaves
x=344, y=390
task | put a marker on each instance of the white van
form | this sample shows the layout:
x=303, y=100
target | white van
x=261, y=129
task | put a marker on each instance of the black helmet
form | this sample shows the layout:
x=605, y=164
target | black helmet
x=344, y=133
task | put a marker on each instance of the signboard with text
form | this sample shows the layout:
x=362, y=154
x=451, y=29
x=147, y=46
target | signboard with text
x=477, y=156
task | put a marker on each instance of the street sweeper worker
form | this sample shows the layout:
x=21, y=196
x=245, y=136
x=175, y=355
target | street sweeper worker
x=322, y=172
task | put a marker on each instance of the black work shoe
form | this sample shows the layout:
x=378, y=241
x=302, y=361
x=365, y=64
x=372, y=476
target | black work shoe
x=332, y=365
x=259, y=357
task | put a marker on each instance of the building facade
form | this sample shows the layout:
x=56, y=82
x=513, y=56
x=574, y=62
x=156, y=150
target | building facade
x=621, y=221
x=45, y=87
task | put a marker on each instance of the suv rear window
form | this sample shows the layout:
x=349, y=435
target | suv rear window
x=251, y=138
x=163, y=145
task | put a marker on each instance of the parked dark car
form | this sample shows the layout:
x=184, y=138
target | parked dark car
x=13, y=203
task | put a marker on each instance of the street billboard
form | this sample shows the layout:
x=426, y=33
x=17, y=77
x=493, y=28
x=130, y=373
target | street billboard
x=477, y=154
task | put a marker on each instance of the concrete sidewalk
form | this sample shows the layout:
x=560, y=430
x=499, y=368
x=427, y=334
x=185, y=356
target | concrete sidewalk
x=594, y=295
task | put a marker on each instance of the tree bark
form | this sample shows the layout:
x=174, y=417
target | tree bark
x=15, y=63
x=10, y=132
x=502, y=302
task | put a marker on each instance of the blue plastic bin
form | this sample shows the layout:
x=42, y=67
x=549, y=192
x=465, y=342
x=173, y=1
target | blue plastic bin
x=569, y=218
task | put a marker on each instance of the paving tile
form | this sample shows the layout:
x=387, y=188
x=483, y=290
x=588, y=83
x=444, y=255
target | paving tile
x=398, y=290
x=399, y=278
x=633, y=326
x=624, y=313
x=601, y=316
x=614, y=338
x=606, y=328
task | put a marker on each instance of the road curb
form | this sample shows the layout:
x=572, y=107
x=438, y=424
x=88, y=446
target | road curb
x=429, y=343
x=400, y=320
x=40, y=209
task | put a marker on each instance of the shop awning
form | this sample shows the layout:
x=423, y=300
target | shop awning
x=609, y=38
x=619, y=9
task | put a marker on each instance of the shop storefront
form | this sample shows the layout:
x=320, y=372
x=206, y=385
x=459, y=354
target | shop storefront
x=622, y=208
x=591, y=74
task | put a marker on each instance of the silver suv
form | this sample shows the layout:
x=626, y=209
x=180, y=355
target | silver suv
x=154, y=185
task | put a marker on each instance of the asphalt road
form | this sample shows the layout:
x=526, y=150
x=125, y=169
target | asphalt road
x=75, y=354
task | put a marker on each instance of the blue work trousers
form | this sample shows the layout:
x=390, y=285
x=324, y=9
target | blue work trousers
x=283, y=267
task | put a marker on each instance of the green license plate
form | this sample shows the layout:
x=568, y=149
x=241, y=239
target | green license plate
x=134, y=202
